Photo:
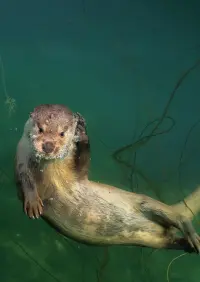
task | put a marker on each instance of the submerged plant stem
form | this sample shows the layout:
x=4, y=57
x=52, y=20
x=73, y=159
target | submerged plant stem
x=9, y=101
x=142, y=140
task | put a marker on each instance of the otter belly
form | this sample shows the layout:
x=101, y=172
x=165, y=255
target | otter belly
x=95, y=220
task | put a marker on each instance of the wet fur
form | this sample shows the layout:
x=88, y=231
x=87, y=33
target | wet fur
x=98, y=213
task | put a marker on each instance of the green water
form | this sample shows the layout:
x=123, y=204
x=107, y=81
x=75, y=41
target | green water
x=117, y=63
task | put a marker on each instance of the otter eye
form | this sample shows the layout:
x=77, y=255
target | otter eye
x=62, y=134
x=40, y=130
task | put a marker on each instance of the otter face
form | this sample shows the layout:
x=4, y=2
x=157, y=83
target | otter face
x=53, y=131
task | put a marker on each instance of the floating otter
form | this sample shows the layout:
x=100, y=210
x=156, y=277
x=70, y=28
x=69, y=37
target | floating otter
x=52, y=162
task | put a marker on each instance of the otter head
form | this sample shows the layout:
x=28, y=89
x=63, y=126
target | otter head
x=52, y=131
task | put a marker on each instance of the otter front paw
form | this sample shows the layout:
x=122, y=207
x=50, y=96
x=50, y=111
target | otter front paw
x=33, y=205
x=81, y=134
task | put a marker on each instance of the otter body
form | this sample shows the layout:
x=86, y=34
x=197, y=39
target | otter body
x=52, y=163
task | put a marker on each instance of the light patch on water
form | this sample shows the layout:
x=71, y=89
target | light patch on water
x=59, y=245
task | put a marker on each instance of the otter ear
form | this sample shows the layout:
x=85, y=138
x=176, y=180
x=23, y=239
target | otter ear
x=76, y=135
x=75, y=116
x=81, y=132
x=80, y=120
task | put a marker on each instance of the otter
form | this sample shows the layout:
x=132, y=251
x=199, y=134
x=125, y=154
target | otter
x=51, y=169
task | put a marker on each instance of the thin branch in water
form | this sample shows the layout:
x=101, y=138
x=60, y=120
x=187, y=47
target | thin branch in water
x=144, y=139
x=181, y=159
x=35, y=261
x=163, y=116
x=103, y=264
x=173, y=260
x=9, y=101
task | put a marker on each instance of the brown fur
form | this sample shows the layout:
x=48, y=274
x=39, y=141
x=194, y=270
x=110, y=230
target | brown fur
x=93, y=212
x=55, y=174
x=50, y=124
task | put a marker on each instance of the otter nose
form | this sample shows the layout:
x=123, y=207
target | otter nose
x=48, y=147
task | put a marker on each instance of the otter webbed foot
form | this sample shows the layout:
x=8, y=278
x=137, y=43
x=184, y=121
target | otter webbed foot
x=81, y=134
x=191, y=235
x=33, y=205
x=163, y=215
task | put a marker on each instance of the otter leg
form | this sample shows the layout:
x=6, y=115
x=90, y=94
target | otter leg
x=165, y=216
x=32, y=202
x=190, y=206
x=82, y=148
x=173, y=244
